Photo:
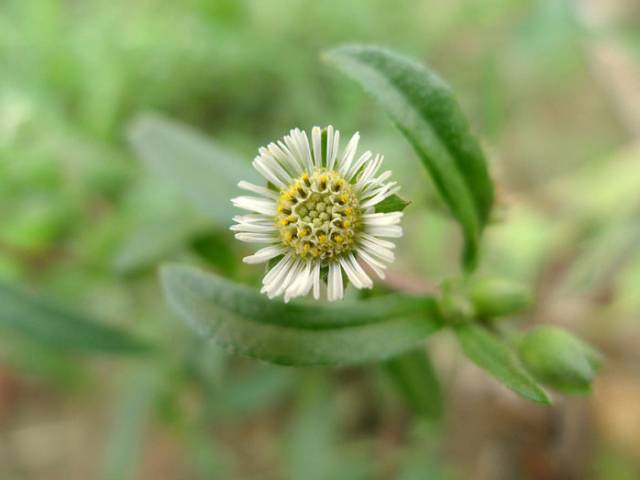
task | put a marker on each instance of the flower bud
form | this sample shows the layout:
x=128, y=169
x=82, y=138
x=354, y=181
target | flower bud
x=560, y=360
x=494, y=297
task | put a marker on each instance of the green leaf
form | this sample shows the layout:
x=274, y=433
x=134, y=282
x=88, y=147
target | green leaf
x=394, y=203
x=58, y=369
x=423, y=107
x=57, y=327
x=490, y=353
x=244, y=394
x=155, y=241
x=206, y=174
x=130, y=420
x=299, y=333
x=413, y=375
x=311, y=445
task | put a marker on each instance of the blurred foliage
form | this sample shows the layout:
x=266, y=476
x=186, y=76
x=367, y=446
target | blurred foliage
x=83, y=223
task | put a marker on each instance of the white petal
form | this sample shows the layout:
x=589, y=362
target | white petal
x=382, y=219
x=369, y=171
x=375, y=184
x=377, y=248
x=291, y=277
x=377, y=241
x=303, y=143
x=290, y=159
x=253, y=225
x=375, y=265
x=272, y=170
x=296, y=155
x=299, y=283
x=357, y=276
x=350, y=274
x=277, y=269
x=282, y=155
x=253, y=218
x=384, y=255
x=265, y=254
x=255, y=204
x=264, y=170
x=257, y=189
x=370, y=190
x=280, y=162
x=300, y=277
x=349, y=153
x=333, y=142
x=253, y=228
x=383, y=176
x=276, y=282
x=299, y=146
x=257, y=237
x=393, y=231
x=355, y=168
x=380, y=196
x=364, y=278
x=316, y=139
x=278, y=168
x=272, y=283
x=334, y=282
x=306, y=287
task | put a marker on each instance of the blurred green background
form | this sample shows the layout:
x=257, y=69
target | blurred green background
x=551, y=87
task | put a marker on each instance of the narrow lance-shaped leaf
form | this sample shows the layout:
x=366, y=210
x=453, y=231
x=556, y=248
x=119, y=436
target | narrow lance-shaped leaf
x=206, y=173
x=58, y=327
x=423, y=107
x=413, y=375
x=149, y=243
x=490, y=353
x=312, y=451
x=298, y=333
x=130, y=420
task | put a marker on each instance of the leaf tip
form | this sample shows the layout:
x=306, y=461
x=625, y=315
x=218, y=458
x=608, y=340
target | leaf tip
x=332, y=55
x=542, y=398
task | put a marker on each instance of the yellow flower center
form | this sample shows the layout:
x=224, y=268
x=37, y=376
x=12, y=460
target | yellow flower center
x=318, y=215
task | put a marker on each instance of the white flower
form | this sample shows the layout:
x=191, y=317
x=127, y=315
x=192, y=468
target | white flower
x=318, y=214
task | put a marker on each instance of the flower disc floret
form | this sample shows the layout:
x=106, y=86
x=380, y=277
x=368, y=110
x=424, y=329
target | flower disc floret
x=318, y=215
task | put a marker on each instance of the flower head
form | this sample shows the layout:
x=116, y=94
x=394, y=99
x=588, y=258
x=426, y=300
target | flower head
x=317, y=215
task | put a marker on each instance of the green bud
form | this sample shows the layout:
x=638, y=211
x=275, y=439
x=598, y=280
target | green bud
x=494, y=297
x=454, y=302
x=559, y=359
